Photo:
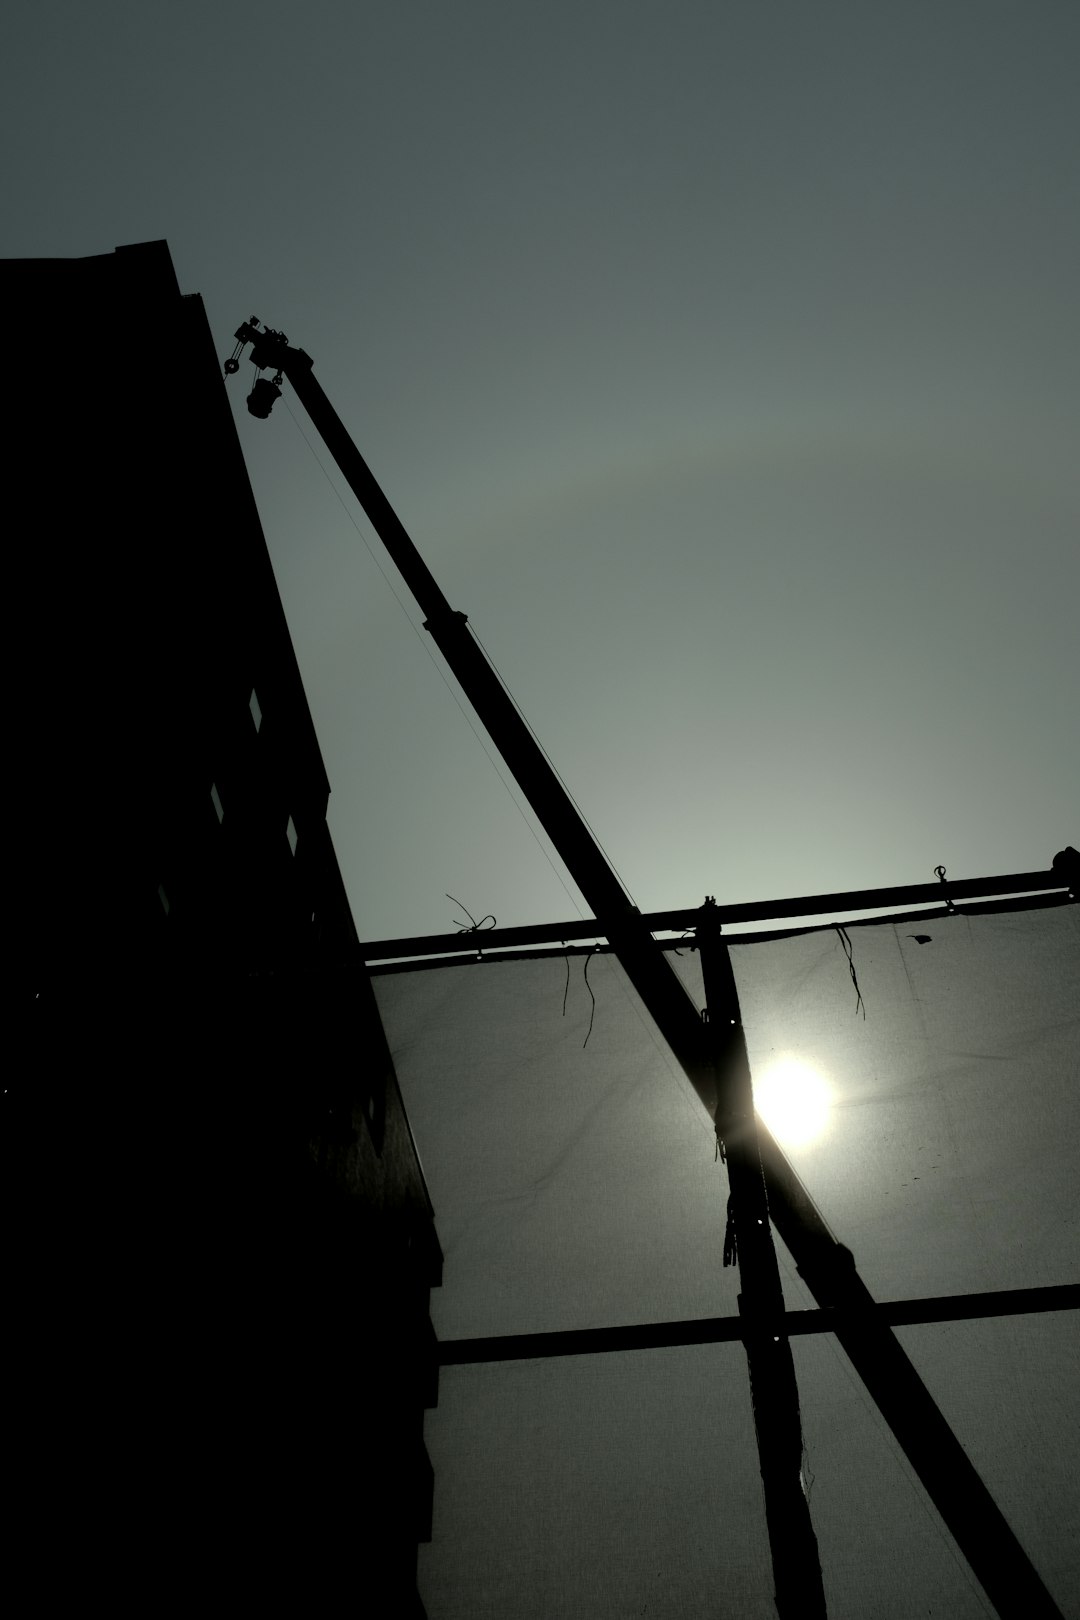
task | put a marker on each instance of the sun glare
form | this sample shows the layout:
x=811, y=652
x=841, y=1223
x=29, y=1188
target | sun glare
x=793, y=1098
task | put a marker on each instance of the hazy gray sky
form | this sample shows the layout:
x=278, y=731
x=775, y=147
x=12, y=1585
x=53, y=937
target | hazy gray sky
x=722, y=360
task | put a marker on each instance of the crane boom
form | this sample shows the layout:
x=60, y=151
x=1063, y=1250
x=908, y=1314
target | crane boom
x=712, y=1053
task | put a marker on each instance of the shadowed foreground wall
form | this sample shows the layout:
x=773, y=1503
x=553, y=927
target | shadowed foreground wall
x=219, y=1240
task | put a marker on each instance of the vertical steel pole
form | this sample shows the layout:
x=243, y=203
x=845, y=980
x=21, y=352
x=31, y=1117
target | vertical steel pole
x=773, y=1389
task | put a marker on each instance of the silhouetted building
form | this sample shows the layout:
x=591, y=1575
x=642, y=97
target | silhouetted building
x=221, y=1242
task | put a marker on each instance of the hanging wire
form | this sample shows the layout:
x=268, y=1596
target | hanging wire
x=441, y=673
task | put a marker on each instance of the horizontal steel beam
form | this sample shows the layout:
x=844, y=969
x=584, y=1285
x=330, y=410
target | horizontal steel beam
x=479, y=953
x=718, y=1329
x=814, y=905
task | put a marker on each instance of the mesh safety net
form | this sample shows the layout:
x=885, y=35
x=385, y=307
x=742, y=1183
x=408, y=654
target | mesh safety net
x=923, y=1079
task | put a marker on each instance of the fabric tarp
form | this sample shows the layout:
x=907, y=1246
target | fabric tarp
x=572, y=1170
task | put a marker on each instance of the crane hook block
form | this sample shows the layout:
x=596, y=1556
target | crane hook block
x=260, y=402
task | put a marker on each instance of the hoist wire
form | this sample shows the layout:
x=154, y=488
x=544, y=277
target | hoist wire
x=551, y=765
x=435, y=663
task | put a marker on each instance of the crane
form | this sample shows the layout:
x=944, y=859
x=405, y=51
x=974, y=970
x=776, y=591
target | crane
x=712, y=1052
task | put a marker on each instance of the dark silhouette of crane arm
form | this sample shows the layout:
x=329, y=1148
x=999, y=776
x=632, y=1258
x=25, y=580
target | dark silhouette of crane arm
x=620, y=921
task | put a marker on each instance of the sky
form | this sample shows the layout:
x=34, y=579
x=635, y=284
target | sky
x=721, y=360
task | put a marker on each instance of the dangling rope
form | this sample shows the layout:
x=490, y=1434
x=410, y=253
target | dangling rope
x=592, y=1010
x=846, y=943
x=589, y=988
x=939, y=873
x=472, y=926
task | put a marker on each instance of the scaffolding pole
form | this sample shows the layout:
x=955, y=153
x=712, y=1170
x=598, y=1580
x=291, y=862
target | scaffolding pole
x=748, y=1243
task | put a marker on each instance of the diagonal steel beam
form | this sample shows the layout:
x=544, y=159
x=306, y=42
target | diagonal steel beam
x=947, y=1473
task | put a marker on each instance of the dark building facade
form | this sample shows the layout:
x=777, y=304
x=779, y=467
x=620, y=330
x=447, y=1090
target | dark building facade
x=220, y=1241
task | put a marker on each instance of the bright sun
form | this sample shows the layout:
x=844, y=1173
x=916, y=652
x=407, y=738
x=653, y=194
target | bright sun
x=793, y=1098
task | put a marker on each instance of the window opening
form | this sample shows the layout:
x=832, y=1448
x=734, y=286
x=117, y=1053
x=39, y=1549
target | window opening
x=291, y=835
x=163, y=897
x=216, y=797
x=256, y=711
